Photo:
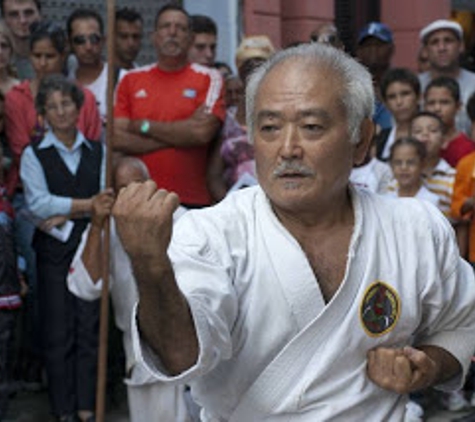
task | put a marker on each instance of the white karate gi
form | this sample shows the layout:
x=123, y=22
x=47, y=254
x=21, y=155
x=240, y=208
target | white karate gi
x=271, y=349
x=149, y=400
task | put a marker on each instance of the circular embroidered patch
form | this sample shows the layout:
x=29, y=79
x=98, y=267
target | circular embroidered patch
x=380, y=309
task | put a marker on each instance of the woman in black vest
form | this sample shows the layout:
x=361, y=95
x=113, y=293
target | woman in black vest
x=61, y=173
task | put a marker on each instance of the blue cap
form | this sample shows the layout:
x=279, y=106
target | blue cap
x=378, y=30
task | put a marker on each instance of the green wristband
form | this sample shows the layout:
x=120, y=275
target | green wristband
x=145, y=127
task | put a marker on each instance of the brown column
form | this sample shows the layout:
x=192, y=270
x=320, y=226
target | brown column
x=263, y=17
x=301, y=17
x=286, y=21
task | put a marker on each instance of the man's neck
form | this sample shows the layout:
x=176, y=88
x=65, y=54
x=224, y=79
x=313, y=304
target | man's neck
x=451, y=73
x=86, y=75
x=303, y=223
x=123, y=64
x=172, y=64
x=22, y=47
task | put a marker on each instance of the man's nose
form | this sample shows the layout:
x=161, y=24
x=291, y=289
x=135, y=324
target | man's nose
x=173, y=29
x=23, y=18
x=209, y=52
x=291, y=143
x=442, y=45
x=88, y=44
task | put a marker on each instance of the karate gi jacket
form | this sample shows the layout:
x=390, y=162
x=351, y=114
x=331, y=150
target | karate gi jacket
x=272, y=349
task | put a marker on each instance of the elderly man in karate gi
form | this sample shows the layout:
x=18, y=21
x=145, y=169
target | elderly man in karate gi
x=304, y=299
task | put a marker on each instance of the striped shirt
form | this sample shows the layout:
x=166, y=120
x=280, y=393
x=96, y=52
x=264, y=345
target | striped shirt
x=440, y=181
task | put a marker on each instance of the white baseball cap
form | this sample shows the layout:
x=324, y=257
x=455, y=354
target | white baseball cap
x=441, y=24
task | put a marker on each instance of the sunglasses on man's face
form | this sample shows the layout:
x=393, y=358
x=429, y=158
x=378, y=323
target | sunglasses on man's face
x=94, y=39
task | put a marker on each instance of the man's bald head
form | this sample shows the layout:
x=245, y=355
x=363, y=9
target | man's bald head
x=128, y=170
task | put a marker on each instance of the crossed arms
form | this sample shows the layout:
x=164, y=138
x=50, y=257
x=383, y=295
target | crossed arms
x=198, y=130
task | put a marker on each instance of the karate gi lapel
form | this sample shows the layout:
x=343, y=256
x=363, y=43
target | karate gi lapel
x=280, y=384
x=294, y=274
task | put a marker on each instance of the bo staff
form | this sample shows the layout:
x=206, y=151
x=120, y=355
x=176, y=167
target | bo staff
x=104, y=321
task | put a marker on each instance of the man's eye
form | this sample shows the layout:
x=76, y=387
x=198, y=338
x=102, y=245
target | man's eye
x=268, y=128
x=312, y=127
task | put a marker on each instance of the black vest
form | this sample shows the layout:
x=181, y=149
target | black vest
x=60, y=181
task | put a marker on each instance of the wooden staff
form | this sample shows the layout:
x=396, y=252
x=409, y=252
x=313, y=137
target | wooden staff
x=104, y=321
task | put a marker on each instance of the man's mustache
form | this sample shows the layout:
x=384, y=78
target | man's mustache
x=293, y=167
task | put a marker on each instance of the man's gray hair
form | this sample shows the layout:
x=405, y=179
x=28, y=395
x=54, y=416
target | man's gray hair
x=356, y=92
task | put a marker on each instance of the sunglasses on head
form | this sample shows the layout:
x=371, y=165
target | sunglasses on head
x=94, y=39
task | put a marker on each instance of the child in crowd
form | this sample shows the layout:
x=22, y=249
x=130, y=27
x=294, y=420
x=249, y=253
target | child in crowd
x=439, y=176
x=442, y=97
x=400, y=91
x=372, y=174
x=407, y=159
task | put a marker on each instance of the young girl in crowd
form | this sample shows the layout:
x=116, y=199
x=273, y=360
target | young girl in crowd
x=406, y=159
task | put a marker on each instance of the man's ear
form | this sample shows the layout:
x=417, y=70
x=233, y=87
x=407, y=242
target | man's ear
x=364, y=143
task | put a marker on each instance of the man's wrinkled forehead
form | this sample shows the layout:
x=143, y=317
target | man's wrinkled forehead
x=303, y=69
x=306, y=73
x=441, y=33
x=175, y=16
